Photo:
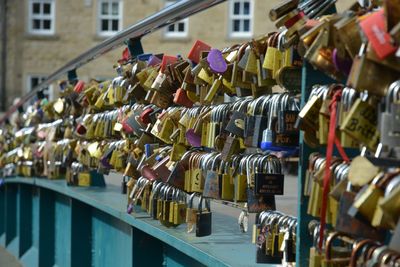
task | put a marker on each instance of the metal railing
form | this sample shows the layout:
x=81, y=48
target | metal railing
x=169, y=15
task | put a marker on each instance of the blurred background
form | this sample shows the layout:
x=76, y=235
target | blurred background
x=39, y=36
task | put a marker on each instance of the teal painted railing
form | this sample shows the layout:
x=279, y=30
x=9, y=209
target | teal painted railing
x=46, y=223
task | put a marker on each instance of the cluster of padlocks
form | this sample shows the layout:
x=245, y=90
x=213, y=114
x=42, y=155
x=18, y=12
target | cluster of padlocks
x=219, y=123
x=353, y=187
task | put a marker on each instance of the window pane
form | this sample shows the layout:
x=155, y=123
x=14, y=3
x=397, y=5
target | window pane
x=46, y=24
x=115, y=25
x=246, y=25
x=171, y=28
x=36, y=24
x=115, y=8
x=104, y=25
x=236, y=8
x=36, y=8
x=246, y=9
x=236, y=25
x=181, y=27
x=46, y=8
x=104, y=8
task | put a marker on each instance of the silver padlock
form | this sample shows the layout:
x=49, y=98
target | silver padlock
x=389, y=121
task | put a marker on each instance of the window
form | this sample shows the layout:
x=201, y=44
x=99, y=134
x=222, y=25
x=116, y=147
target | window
x=241, y=18
x=41, y=16
x=178, y=29
x=110, y=17
x=34, y=80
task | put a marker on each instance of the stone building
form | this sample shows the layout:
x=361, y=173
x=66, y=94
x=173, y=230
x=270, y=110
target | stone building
x=39, y=36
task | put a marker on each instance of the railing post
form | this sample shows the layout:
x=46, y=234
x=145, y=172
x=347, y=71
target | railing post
x=46, y=228
x=81, y=230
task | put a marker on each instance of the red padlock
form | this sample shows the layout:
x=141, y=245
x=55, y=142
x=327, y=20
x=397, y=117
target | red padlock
x=167, y=60
x=181, y=98
x=79, y=87
x=195, y=52
x=145, y=116
x=127, y=128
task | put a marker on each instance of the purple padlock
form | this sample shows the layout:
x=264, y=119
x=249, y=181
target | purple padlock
x=341, y=64
x=153, y=60
x=105, y=162
x=216, y=61
x=193, y=138
x=129, y=209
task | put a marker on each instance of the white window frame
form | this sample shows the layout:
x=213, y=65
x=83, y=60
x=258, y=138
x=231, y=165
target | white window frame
x=232, y=17
x=49, y=91
x=175, y=33
x=110, y=16
x=51, y=17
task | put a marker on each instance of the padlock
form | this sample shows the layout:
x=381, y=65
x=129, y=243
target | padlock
x=385, y=215
x=240, y=182
x=252, y=109
x=259, y=236
x=203, y=219
x=180, y=207
x=231, y=147
x=255, y=202
x=261, y=122
x=123, y=185
x=181, y=98
x=227, y=186
x=328, y=260
x=366, y=200
x=166, y=207
x=365, y=73
x=195, y=51
x=191, y=215
x=177, y=176
x=145, y=199
x=160, y=199
x=389, y=119
x=155, y=192
x=171, y=214
x=196, y=176
x=290, y=243
x=268, y=177
x=211, y=183
x=268, y=133
x=350, y=225
x=349, y=95
x=271, y=243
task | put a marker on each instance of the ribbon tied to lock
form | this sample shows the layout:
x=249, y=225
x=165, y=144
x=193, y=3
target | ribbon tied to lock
x=332, y=139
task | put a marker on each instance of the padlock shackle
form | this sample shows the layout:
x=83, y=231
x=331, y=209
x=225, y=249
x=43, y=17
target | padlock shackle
x=162, y=191
x=357, y=247
x=329, y=242
x=248, y=171
x=207, y=204
x=182, y=196
x=156, y=188
x=391, y=95
x=190, y=204
x=261, y=217
x=214, y=161
x=392, y=185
